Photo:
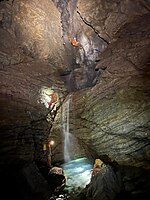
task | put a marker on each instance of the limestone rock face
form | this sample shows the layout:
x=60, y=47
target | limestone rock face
x=25, y=121
x=9, y=51
x=117, y=183
x=108, y=179
x=28, y=30
x=107, y=75
x=113, y=117
x=106, y=17
x=38, y=29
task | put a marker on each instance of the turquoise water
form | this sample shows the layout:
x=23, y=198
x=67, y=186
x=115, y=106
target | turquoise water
x=78, y=173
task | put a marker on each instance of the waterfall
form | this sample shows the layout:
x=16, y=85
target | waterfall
x=65, y=127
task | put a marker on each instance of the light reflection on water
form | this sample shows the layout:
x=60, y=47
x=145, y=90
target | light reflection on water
x=78, y=173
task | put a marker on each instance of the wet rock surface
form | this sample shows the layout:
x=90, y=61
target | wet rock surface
x=118, y=183
x=39, y=33
x=113, y=116
x=106, y=71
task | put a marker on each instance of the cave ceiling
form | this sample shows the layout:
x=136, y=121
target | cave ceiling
x=94, y=52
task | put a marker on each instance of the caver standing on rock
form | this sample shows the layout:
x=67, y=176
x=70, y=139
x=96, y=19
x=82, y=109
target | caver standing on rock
x=105, y=182
x=97, y=167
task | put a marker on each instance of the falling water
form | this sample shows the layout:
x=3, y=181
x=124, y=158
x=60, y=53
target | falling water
x=65, y=126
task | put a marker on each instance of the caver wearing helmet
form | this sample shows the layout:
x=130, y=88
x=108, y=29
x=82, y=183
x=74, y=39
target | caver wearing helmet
x=97, y=167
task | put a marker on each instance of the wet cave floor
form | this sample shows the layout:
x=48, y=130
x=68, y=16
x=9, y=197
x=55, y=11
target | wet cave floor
x=24, y=183
x=124, y=182
x=78, y=175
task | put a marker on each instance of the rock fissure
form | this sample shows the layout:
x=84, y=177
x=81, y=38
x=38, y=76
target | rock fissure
x=99, y=53
x=89, y=24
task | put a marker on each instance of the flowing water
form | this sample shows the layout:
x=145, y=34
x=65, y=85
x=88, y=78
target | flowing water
x=78, y=173
x=65, y=126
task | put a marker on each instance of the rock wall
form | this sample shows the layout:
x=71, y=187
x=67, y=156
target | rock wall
x=24, y=119
x=29, y=31
x=38, y=29
x=107, y=17
x=113, y=117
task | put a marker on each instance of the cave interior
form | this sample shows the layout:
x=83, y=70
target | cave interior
x=75, y=73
